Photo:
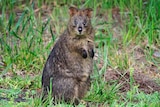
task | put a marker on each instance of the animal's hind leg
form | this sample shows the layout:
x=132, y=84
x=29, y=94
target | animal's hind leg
x=76, y=95
x=64, y=89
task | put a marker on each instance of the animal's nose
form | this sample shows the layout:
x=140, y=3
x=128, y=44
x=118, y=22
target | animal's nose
x=80, y=29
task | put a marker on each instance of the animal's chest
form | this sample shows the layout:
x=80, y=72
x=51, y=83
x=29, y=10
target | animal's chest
x=83, y=64
x=76, y=59
x=87, y=65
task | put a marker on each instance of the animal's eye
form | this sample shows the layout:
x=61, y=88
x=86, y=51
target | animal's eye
x=75, y=23
x=84, y=23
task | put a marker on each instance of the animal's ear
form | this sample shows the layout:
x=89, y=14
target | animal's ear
x=72, y=11
x=88, y=12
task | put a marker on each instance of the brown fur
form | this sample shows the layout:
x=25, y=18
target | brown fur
x=70, y=62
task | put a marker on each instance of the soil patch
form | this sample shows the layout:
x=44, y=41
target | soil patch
x=144, y=83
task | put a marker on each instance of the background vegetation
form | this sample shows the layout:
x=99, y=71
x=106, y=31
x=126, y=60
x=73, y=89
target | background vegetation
x=127, y=59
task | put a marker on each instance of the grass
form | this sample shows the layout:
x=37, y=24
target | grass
x=29, y=30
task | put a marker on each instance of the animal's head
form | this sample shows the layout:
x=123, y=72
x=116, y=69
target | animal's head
x=80, y=21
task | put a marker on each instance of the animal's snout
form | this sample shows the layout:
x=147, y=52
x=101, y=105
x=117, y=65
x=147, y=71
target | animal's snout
x=80, y=29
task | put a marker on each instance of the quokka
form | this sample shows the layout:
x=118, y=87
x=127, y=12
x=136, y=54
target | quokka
x=70, y=62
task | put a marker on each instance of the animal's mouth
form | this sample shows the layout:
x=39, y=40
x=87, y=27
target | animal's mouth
x=79, y=33
x=81, y=36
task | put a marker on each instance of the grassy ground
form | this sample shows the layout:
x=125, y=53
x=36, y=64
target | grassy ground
x=127, y=59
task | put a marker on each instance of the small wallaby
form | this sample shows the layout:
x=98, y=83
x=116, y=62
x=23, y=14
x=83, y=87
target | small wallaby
x=70, y=62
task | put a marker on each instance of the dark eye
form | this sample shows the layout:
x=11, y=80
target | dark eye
x=84, y=23
x=75, y=23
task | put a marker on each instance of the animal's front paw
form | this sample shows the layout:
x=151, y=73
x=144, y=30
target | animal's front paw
x=84, y=53
x=91, y=53
x=84, y=76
